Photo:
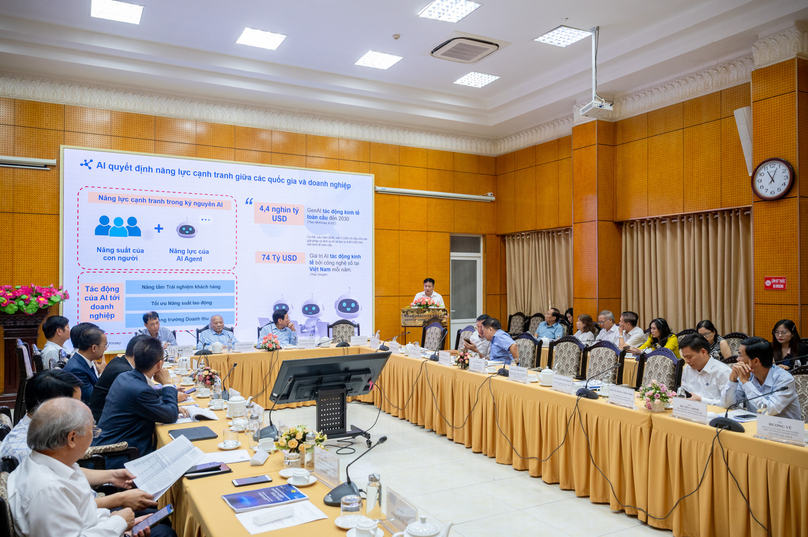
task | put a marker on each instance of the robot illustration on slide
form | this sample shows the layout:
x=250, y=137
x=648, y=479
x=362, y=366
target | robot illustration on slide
x=348, y=306
x=313, y=327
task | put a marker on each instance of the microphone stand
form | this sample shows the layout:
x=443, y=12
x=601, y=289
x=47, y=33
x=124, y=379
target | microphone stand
x=435, y=357
x=585, y=391
x=226, y=393
x=384, y=347
x=346, y=489
x=728, y=423
x=342, y=343
x=270, y=431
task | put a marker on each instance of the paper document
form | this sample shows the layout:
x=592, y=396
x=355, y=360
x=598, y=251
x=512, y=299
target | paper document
x=157, y=471
x=304, y=512
x=227, y=457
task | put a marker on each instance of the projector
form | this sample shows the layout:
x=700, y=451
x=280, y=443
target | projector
x=597, y=109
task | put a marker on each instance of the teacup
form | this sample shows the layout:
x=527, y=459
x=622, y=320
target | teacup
x=300, y=477
x=187, y=380
x=365, y=527
x=204, y=392
x=239, y=424
x=217, y=404
x=266, y=444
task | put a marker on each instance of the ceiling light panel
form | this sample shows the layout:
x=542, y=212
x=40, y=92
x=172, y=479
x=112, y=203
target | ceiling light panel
x=448, y=10
x=378, y=60
x=116, y=11
x=563, y=36
x=476, y=80
x=260, y=39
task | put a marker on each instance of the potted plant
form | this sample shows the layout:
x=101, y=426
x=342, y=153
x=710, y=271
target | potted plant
x=270, y=343
x=29, y=299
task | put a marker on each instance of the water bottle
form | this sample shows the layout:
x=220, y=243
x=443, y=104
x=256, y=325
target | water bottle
x=217, y=389
x=254, y=425
x=308, y=452
x=373, y=504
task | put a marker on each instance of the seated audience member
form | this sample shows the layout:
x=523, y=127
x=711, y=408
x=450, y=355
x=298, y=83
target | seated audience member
x=718, y=347
x=282, y=327
x=786, y=343
x=630, y=335
x=754, y=376
x=133, y=407
x=84, y=363
x=216, y=333
x=429, y=292
x=704, y=376
x=550, y=327
x=503, y=346
x=75, y=335
x=57, y=331
x=608, y=330
x=660, y=336
x=116, y=366
x=586, y=329
x=48, y=493
x=570, y=317
x=151, y=321
x=477, y=342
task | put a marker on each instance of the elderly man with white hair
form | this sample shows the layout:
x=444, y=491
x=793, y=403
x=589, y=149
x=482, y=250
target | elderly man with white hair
x=48, y=493
x=608, y=330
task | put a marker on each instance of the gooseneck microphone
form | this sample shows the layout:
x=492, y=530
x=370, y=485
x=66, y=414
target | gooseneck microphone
x=346, y=489
x=585, y=391
x=384, y=347
x=225, y=392
x=435, y=357
x=270, y=431
x=726, y=422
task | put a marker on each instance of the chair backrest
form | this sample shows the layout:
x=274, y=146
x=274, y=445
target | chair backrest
x=516, y=323
x=566, y=324
x=565, y=356
x=734, y=339
x=800, y=375
x=27, y=365
x=343, y=330
x=729, y=361
x=683, y=333
x=432, y=338
x=533, y=322
x=25, y=372
x=529, y=350
x=464, y=334
x=660, y=365
x=601, y=356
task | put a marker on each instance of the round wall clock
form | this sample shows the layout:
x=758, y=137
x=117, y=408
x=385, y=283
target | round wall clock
x=773, y=178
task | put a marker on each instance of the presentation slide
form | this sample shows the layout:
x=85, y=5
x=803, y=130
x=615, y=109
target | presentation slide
x=192, y=238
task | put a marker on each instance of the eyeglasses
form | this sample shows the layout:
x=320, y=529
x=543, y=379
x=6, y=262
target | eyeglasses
x=96, y=431
x=781, y=333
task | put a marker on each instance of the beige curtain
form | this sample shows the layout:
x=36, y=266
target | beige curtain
x=539, y=271
x=690, y=268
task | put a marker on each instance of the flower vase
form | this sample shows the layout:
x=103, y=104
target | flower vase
x=292, y=460
x=657, y=406
x=464, y=365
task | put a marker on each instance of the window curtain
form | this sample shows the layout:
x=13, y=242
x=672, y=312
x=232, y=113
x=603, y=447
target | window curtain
x=689, y=268
x=538, y=266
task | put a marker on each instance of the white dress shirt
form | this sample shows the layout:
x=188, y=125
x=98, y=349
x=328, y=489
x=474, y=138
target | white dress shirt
x=90, y=363
x=587, y=338
x=610, y=335
x=482, y=344
x=785, y=404
x=50, y=351
x=634, y=338
x=435, y=296
x=707, y=383
x=49, y=498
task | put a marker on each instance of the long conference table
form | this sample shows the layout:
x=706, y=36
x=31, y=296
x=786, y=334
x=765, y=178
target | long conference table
x=651, y=459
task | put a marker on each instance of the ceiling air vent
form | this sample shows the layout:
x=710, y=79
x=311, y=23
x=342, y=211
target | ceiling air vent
x=464, y=50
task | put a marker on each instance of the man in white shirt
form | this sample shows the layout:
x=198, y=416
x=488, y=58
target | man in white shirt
x=48, y=493
x=477, y=343
x=429, y=292
x=608, y=330
x=629, y=334
x=57, y=331
x=704, y=377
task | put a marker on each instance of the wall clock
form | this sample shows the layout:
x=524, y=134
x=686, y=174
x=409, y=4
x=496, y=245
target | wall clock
x=773, y=178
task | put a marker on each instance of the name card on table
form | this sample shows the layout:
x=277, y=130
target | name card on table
x=562, y=384
x=326, y=467
x=477, y=365
x=517, y=374
x=244, y=347
x=781, y=429
x=306, y=342
x=358, y=340
x=690, y=410
x=394, y=348
x=414, y=352
x=445, y=358
x=185, y=350
x=621, y=396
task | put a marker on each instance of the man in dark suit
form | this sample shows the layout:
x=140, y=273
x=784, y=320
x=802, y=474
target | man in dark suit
x=133, y=407
x=92, y=344
x=116, y=366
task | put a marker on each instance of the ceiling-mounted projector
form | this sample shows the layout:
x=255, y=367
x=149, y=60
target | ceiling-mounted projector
x=598, y=108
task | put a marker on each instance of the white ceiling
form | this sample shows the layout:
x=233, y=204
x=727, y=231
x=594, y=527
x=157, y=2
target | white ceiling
x=187, y=48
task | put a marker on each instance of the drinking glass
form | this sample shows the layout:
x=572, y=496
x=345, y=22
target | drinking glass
x=230, y=438
x=350, y=505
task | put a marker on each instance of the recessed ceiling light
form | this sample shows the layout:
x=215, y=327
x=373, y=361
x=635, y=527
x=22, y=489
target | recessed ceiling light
x=476, y=80
x=378, y=60
x=448, y=10
x=260, y=38
x=563, y=36
x=116, y=11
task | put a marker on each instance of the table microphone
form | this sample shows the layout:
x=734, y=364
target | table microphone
x=384, y=347
x=226, y=393
x=585, y=391
x=732, y=425
x=343, y=343
x=435, y=357
x=346, y=489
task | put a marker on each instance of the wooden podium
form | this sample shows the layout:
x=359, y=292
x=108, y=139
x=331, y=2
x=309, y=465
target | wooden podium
x=416, y=317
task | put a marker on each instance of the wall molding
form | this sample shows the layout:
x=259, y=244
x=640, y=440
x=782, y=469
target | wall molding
x=557, y=128
x=780, y=46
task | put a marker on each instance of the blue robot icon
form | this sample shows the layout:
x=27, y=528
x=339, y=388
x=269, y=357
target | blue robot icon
x=282, y=305
x=313, y=327
x=348, y=306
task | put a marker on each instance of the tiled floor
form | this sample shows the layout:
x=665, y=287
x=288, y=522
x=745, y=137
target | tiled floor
x=450, y=483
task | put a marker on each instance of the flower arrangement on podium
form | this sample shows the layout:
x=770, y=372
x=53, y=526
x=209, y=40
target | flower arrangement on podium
x=207, y=376
x=270, y=343
x=655, y=396
x=423, y=303
x=29, y=299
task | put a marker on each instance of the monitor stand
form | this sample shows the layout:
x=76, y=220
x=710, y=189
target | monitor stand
x=331, y=415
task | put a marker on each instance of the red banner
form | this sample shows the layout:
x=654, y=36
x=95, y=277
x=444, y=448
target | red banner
x=774, y=283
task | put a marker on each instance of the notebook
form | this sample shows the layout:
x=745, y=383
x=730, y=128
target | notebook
x=267, y=497
x=193, y=434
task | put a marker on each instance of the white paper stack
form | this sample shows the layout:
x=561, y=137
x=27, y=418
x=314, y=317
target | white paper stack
x=157, y=471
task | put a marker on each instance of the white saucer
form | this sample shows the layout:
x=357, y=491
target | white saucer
x=546, y=385
x=352, y=532
x=312, y=480
x=347, y=522
x=221, y=446
x=187, y=384
x=202, y=396
x=288, y=472
x=533, y=378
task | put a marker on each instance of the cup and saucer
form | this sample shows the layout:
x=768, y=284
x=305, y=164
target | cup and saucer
x=223, y=447
x=301, y=478
x=365, y=527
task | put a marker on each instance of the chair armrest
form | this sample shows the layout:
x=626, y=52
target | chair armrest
x=7, y=411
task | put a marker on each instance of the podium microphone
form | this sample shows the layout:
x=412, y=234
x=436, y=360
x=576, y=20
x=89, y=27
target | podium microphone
x=732, y=425
x=346, y=489
x=585, y=391
x=435, y=357
x=226, y=393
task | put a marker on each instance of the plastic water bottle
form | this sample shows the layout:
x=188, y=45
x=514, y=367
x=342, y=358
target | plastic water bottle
x=373, y=491
x=308, y=452
x=217, y=389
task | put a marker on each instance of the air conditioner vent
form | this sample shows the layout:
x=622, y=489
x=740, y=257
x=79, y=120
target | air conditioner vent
x=464, y=50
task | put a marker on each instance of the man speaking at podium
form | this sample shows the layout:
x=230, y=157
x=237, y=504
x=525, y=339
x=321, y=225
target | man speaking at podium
x=429, y=292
